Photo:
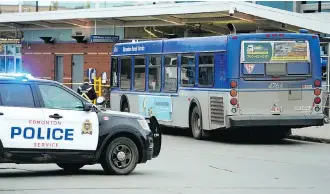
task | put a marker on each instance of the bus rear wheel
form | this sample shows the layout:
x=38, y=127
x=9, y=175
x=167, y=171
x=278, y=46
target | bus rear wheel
x=196, y=123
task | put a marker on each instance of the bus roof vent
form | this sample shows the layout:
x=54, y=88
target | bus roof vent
x=303, y=31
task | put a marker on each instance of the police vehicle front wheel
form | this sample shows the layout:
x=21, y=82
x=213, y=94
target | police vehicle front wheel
x=70, y=167
x=121, y=157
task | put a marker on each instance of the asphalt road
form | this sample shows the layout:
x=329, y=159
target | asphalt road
x=190, y=166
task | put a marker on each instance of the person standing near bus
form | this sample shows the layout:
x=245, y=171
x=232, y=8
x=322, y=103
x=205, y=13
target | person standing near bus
x=87, y=90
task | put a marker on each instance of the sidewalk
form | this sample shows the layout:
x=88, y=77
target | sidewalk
x=315, y=134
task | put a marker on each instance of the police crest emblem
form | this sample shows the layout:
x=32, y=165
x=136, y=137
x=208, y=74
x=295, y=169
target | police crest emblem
x=87, y=127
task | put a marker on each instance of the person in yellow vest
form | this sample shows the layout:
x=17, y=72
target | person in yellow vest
x=87, y=90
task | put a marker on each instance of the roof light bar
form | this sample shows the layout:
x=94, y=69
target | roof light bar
x=17, y=75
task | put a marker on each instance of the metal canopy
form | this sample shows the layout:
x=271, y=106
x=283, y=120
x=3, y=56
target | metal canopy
x=210, y=16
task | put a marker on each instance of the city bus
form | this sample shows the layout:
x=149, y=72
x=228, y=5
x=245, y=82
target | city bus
x=266, y=81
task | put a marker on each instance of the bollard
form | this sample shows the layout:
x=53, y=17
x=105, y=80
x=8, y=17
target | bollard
x=327, y=105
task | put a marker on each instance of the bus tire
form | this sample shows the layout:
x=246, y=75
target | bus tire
x=196, y=123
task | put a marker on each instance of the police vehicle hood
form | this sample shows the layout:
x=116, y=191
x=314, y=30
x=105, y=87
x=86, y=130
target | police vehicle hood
x=123, y=114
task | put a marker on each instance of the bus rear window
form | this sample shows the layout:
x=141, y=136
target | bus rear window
x=275, y=69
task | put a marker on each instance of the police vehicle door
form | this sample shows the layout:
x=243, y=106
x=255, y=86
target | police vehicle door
x=18, y=111
x=69, y=126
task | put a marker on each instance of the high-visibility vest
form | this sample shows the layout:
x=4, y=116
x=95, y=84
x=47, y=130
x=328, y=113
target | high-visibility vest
x=85, y=96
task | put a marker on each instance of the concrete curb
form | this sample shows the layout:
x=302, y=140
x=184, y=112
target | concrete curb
x=310, y=139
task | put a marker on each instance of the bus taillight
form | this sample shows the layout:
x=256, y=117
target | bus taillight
x=233, y=84
x=317, y=100
x=233, y=93
x=233, y=101
x=317, y=83
x=317, y=91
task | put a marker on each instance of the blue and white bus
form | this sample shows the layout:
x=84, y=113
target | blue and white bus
x=268, y=81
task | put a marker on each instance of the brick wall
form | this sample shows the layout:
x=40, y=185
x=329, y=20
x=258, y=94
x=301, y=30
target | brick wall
x=39, y=59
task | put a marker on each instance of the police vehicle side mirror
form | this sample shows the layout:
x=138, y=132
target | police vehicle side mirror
x=88, y=106
x=100, y=100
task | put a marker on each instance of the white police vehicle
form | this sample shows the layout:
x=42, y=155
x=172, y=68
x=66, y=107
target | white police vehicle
x=43, y=121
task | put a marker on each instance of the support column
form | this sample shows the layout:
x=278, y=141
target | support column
x=97, y=4
x=326, y=110
x=296, y=6
x=20, y=6
x=186, y=33
x=94, y=27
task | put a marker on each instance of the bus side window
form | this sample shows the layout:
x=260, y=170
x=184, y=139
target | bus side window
x=155, y=71
x=188, y=70
x=171, y=73
x=206, y=69
x=114, y=72
x=125, y=73
x=139, y=73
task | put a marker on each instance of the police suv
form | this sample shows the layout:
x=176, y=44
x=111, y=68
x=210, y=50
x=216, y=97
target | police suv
x=44, y=121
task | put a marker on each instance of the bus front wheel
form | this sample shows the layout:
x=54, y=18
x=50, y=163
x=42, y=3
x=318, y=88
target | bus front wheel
x=196, y=123
x=125, y=107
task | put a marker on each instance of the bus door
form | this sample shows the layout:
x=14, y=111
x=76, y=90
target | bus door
x=275, y=78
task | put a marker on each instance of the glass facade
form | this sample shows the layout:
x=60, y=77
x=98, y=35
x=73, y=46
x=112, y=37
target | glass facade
x=10, y=58
x=33, y=6
x=284, y=5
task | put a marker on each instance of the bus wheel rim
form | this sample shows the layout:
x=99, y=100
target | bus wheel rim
x=196, y=122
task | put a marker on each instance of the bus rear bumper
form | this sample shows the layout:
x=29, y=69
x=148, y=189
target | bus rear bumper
x=294, y=121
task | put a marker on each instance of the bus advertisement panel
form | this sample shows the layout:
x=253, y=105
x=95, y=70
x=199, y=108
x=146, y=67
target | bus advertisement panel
x=274, y=51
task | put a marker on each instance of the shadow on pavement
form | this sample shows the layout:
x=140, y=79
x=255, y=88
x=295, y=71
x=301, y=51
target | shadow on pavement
x=232, y=137
x=21, y=173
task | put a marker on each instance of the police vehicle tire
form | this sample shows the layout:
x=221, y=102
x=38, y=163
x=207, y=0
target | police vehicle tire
x=120, y=147
x=70, y=167
x=196, y=123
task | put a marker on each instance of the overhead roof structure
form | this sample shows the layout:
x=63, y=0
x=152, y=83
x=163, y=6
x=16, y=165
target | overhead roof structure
x=210, y=16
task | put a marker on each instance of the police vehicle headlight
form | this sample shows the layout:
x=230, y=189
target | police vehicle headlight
x=144, y=124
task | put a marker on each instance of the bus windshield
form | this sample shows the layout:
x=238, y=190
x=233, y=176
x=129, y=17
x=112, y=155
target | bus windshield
x=275, y=58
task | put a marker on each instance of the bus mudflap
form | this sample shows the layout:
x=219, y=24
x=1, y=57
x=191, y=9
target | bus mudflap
x=157, y=135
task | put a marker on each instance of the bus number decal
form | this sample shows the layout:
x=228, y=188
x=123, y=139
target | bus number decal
x=275, y=85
